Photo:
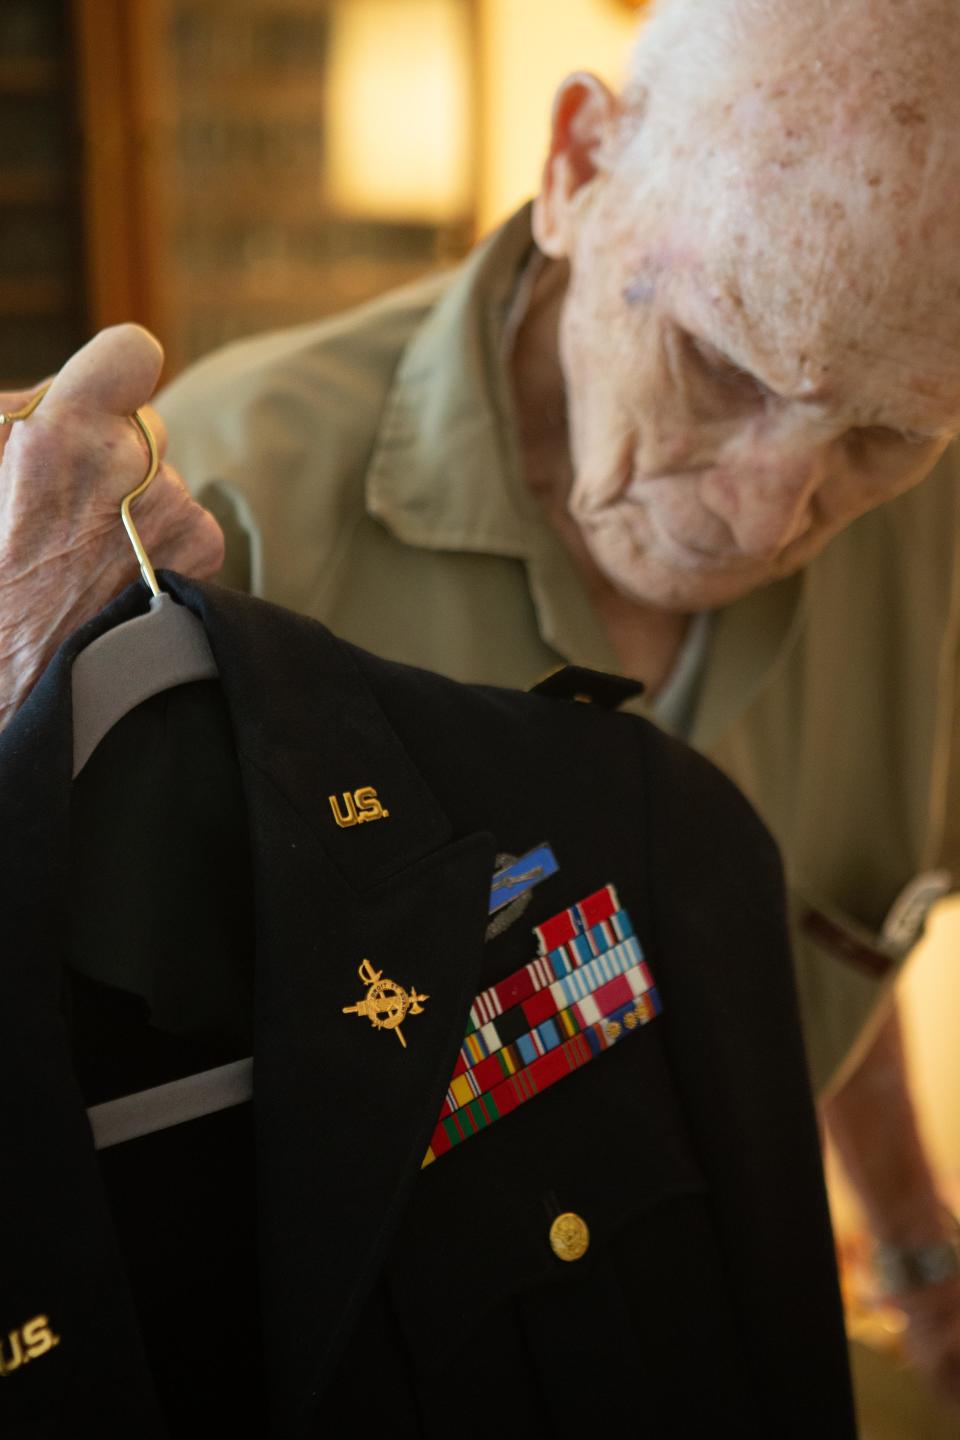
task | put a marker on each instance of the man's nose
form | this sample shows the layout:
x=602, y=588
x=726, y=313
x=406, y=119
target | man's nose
x=765, y=502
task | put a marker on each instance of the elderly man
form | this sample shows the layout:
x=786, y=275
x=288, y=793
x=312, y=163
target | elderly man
x=675, y=429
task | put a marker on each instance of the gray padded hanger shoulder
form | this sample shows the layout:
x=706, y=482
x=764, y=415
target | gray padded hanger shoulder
x=115, y=1121
x=128, y=664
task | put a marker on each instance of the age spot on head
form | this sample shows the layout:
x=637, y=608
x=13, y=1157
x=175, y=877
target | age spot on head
x=639, y=292
x=907, y=113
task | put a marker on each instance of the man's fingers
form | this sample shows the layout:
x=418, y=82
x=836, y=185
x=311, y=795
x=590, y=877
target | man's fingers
x=80, y=439
x=114, y=374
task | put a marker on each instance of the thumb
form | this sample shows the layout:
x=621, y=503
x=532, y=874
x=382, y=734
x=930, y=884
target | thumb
x=114, y=373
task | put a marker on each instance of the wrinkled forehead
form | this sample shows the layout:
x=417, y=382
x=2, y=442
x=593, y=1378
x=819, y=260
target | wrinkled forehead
x=819, y=208
x=852, y=245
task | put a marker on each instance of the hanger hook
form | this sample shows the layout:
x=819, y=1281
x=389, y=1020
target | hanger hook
x=143, y=559
x=25, y=411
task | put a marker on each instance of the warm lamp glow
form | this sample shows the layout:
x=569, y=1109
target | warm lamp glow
x=398, y=108
x=529, y=46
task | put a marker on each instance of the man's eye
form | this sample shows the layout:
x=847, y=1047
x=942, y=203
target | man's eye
x=882, y=437
x=874, y=435
x=722, y=370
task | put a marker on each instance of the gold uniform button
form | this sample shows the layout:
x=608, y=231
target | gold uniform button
x=569, y=1237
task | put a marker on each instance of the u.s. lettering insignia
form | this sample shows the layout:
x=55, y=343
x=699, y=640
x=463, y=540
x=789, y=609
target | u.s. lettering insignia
x=386, y=1004
x=359, y=807
x=28, y=1342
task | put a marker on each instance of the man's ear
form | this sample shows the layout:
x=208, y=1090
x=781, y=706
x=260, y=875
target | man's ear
x=585, y=113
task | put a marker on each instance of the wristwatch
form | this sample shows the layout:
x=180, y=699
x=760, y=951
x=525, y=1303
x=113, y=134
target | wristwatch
x=899, y=1268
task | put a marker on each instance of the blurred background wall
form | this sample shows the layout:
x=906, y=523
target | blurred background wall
x=212, y=168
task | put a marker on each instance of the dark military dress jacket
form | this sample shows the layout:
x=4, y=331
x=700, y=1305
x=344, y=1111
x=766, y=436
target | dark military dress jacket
x=641, y=1246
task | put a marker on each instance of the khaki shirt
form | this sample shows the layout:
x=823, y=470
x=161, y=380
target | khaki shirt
x=366, y=471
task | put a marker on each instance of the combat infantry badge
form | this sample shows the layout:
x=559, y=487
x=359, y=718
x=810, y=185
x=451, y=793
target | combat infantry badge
x=387, y=1004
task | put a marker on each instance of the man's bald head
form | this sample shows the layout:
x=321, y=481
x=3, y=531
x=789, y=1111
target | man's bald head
x=690, y=49
x=761, y=333
x=816, y=146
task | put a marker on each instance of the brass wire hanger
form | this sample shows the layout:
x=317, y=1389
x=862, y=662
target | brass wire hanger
x=142, y=657
x=133, y=534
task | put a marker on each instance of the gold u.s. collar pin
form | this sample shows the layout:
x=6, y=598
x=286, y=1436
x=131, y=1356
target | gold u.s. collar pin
x=359, y=807
x=27, y=1342
x=386, y=1004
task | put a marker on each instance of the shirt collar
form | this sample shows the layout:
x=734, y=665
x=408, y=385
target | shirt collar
x=445, y=471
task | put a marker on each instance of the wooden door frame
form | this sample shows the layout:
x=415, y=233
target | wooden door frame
x=123, y=101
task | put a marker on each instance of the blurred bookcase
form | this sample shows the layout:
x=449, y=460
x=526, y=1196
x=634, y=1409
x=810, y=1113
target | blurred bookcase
x=42, y=310
x=181, y=163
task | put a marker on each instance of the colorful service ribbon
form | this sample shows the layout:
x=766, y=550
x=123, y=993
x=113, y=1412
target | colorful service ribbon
x=587, y=988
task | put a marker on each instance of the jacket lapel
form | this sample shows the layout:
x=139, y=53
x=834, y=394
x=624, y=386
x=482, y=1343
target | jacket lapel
x=343, y=1110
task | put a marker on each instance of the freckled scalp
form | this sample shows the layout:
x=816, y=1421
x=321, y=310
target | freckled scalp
x=813, y=149
x=781, y=84
x=706, y=42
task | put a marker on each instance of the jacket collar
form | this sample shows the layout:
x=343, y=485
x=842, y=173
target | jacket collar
x=343, y=1112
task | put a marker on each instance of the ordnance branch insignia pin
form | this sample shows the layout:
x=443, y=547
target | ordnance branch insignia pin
x=386, y=1004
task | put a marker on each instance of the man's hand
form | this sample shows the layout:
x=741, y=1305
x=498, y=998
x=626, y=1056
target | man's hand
x=875, y=1131
x=63, y=473
x=932, y=1336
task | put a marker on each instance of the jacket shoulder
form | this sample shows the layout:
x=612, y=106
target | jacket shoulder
x=700, y=817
